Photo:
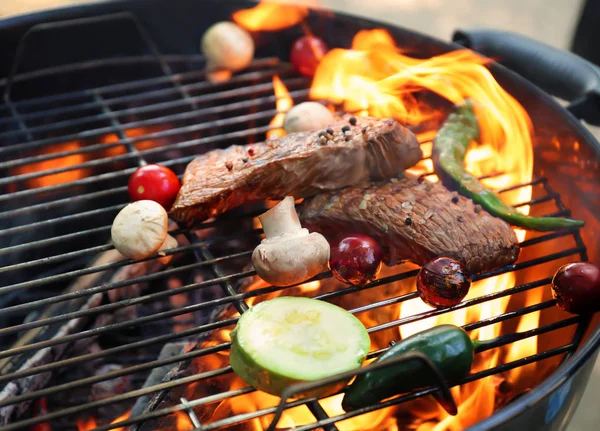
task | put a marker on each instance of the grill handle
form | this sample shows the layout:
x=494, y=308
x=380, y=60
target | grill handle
x=559, y=73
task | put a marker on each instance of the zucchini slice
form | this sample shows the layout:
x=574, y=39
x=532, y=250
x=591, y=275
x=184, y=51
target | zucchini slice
x=293, y=339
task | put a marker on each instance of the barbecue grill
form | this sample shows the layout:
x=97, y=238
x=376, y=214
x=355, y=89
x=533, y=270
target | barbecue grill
x=91, y=93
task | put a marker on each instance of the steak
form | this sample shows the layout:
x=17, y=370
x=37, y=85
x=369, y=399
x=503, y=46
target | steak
x=415, y=220
x=300, y=164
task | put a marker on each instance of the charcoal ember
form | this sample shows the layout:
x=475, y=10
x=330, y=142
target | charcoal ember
x=89, y=344
x=159, y=374
x=134, y=270
x=109, y=388
x=126, y=314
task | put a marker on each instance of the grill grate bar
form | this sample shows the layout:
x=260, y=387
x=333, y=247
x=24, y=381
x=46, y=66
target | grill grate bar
x=464, y=304
x=89, y=270
x=61, y=202
x=63, y=219
x=125, y=172
x=518, y=336
x=204, y=255
x=263, y=115
x=123, y=348
x=167, y=133
x=225, y=370
x=510, y=315
x=221, y=109
x=138, y=97
x=119, y=304
x=224, y=346
x=124, y=86
x=166, y=273
x=118, y=207
x=51, y=241
x=190, y=287
x=429, y=391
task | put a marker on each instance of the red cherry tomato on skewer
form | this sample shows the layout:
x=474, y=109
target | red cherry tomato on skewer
x=356, y=259
x=156, y=183
x=307, y=53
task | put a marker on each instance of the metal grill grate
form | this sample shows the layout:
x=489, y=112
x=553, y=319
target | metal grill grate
x=45, y=248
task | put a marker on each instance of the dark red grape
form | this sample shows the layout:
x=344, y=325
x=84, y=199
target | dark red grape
x=306, y=54
x=443, y=282
x=356, y=259
x=576, y=287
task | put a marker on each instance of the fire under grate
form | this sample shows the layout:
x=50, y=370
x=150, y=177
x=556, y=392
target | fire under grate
x=65, y=160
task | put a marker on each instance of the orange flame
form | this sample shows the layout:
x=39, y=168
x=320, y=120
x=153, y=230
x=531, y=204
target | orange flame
x=60, y=162
x=183, y=422
x=376, y=79
x=86, y=425
x=123, y=417
x=284, y=103
x=271, y=15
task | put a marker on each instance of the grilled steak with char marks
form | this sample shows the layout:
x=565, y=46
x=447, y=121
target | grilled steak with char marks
x=416, y=221
x=300, y=165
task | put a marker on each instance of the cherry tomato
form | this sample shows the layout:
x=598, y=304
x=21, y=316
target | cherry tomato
x=306, y=54
x=156, y=183
x=356, y=259
x=443, y=282
x=576, y=287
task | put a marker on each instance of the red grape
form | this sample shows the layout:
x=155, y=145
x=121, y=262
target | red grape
x=443, y=282
x=307, y=53
x=356, y=259
x=156, y=183
x=576, y=287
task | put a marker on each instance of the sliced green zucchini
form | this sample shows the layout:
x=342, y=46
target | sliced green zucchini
x=291, y=339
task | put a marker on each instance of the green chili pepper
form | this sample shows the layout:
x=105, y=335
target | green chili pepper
x=449, y=149
x=449, y=348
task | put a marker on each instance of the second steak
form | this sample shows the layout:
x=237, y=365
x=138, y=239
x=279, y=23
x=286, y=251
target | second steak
x=415, y=221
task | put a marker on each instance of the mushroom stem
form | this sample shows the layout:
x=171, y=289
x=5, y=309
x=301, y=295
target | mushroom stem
x=281, y=219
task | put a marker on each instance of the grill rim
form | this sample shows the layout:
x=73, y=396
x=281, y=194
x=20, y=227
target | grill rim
x=588, y=350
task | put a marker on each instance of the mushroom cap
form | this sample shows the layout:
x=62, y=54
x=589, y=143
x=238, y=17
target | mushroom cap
x=291, y=259
x=307, y=116
x=227, y=46
x=140, y=229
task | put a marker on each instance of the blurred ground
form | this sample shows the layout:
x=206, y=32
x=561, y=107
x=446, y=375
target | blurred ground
x=550, y=21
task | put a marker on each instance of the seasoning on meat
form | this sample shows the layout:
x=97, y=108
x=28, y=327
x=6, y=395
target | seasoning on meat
x=296, y=165
x=430, y=228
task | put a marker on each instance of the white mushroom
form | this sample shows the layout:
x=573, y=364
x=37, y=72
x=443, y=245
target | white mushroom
x=227, y=46
x=168, y=244
x=140, y=229
x=289, y=254
x=307, y=116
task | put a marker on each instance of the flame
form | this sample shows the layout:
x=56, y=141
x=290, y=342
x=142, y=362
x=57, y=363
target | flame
x=86, y=425
x=123, y=417
x=284, y=103
x=272, y=15
x=183, y=422
x=60, y=162
x=375, y=78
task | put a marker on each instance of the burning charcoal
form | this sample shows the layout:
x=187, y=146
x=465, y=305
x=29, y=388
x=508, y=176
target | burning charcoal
x=109, y=388
x=158, y=374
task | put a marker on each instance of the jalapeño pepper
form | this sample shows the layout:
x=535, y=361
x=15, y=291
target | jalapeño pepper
x=449, y=149
x=449, y=348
